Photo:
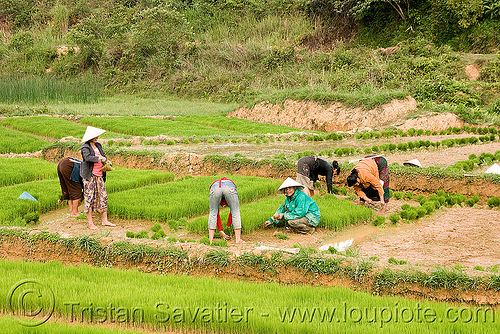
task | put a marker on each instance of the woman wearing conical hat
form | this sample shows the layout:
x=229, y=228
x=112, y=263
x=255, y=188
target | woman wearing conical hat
x=96, y=198
x=300, y=212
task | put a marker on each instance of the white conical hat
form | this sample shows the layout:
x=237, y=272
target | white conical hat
x=92, y=132
x=413, y=162
x=289, y=183
x=494, y=169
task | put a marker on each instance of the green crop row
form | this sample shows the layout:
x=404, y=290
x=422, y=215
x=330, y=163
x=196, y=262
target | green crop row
x=183, y=198
x=420, y=132
x=47, y=192
x=20, y=170
x=17, y=142
x=484, y=159
x=411, y=145
x=335, y=214
x=51, y=127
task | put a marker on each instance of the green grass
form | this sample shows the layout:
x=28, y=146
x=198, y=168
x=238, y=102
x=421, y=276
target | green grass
x=51, y=127
x=20, y=170
x=238, y=125
x=179, y=302
x=31, y=89
x=17, y=142
x=183, y=198
x=135, y=105
x=153, y=127
x=335, y=214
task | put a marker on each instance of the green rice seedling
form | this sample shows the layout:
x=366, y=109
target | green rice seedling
x=237, y=124
x=379, y=220
x=217, y=257
x=281, y=236
x=156, y=227
x=399, y=195
x=335, y=214
x=132, y=289
x=20, y=170
x=405, y=206
x=31, y=217
x=173, y=225
x=493, y=269
x=493, y=202
x=394, y=218
x=478, y=268
x=473, y=200
x=172, y=240
x=17, y=142
x=149, y=202
x=396, y=262
x=429, y=207
x=421, y=199
x=144, y=234
x=409, y=195
x=45, y=191
x=190, y=240
x=158, y=235
x=130, y=234
x=421, y=212
x=50, y=127
x=205, y=240
x=123, y=178
x=148, y=127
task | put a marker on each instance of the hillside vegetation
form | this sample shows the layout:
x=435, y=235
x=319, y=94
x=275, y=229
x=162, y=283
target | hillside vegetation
x=359, y=52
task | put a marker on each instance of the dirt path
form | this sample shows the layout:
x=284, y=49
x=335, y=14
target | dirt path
x=465, y=236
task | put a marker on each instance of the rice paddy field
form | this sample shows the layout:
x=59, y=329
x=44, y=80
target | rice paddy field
x=414, y=269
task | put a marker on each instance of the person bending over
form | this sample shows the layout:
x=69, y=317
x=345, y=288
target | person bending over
x=308, y=169
x=370, y=179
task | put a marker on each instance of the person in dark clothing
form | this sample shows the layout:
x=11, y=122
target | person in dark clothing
x=68, y=171
x=310, y=167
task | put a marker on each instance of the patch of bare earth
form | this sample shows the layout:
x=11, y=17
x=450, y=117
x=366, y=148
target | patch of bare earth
x=465, y=236
x=335, y=117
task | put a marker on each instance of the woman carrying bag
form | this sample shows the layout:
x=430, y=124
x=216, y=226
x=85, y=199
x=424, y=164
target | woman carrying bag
x=94, y=190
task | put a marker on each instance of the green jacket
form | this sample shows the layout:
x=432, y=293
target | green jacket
x=298, y=206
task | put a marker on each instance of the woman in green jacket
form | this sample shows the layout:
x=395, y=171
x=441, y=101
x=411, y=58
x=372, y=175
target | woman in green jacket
x=300, y=211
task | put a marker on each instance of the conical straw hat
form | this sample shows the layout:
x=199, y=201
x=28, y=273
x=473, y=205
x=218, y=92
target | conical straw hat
x=289, y=183
x=413, y=162
x=91, y=132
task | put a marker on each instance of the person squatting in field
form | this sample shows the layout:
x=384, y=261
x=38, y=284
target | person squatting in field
x=68, y=171
x=223, y=193
x=93, y=177
x=370, y=179
x=300, y=211
x=308, y=169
